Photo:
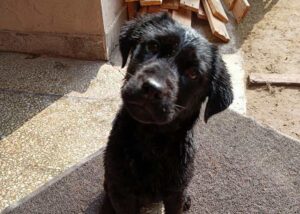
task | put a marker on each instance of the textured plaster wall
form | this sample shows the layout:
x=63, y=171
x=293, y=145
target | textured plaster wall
x=54, y=16
x=110, y=9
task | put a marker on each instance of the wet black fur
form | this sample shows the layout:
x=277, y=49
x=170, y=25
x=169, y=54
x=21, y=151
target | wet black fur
x=147, y=163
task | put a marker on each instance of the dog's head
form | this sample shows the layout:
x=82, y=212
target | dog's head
x=172, y=70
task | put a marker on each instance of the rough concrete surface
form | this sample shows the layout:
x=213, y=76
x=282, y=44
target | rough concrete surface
x=241, y=167
x=234, y=63
x=54, y=112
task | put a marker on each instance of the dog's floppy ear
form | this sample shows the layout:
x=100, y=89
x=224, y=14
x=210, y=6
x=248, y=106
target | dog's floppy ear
x=128, y=39
x=220, y=94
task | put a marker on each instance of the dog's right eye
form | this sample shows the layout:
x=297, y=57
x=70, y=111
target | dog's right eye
x=152, y=47
x=192, y=73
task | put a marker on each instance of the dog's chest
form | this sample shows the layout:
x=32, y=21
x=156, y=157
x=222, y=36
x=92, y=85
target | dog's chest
x=160, y=163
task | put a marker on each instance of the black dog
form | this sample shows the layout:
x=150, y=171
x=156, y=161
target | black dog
x=150, y=153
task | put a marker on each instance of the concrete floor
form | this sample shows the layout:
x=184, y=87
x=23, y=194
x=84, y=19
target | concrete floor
x=54, y=113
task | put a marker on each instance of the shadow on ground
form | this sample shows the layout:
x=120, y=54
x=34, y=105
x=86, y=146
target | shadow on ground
x=29, y=84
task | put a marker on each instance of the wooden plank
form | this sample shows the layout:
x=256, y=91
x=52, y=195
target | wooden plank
x=274, y=79
x=132, y=0
x=170, y=4
x=201, y=13
x=150, y=2
x=218, y=28
x=229, y=3
x=192, y=5
x=218, y=10
x=156, y=9
x=183, y=16
x=143, y=11
x=240, y=9
x=132, y=9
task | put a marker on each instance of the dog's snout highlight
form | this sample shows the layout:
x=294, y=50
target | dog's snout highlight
x=152, y=88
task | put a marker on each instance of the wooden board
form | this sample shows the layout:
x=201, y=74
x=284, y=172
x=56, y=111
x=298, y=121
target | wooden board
x=192, y=5
x=156, y=9
x=150, y=2
x=143, y=11
x=183, y=16
x=170, y=4
x=240, y=9
x=218, y=28
x=132, y=9
x=274, y=79
x=218, y=10
x=201, y=13
x=132, y=0
x=229, y=3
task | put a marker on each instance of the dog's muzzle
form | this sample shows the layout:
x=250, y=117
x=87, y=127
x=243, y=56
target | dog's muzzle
x=149, y=95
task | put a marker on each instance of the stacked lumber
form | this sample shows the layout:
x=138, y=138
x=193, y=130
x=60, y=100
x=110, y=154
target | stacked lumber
x=182, y=10
x=274, y=79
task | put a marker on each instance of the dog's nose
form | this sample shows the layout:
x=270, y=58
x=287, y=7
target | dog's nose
x=152, y=88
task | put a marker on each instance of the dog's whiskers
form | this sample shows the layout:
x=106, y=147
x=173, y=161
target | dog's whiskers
x=178, y=109
x=121, y=72
x=124, y=74
x=179, y=106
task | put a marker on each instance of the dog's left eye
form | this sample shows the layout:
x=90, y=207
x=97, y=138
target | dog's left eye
x=152, y=47
x=192, y=73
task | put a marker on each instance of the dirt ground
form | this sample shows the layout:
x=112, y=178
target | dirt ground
x=270, y=41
